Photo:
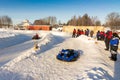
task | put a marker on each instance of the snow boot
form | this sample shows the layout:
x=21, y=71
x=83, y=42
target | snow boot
x=113, y=55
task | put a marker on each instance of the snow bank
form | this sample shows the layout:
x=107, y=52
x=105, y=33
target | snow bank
x=6, y=34
x=10, y=39
x=45, y=39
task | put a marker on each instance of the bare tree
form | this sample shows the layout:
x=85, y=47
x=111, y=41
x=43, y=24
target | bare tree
x=86, y=21
x=9, y=22
x=46, y=21
x=97, y=23
x=69, y=22
x=79, y=21
x=113, y=20
x=94, y=19
x=73, y=21
x=53, y=20
x=5, y=22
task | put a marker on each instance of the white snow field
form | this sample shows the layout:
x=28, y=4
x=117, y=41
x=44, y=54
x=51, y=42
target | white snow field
x=19, y=60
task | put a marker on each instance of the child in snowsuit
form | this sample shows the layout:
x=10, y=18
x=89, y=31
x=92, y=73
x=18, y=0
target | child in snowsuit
x=114, y=42
x=98, y=35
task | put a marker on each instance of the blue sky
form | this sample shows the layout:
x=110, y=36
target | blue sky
x=19, y=10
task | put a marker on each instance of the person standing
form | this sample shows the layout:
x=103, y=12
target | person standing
x=78, y=33
x=87, y=32
x=114, y=42
x=91, y=33
x=108, y=37
x=98, y=35
x=74, y=33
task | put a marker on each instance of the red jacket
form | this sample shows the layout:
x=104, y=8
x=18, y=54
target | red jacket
x=74, y=31
x=109, y=35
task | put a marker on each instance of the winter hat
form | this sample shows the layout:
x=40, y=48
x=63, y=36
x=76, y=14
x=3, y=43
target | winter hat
x=115, y=34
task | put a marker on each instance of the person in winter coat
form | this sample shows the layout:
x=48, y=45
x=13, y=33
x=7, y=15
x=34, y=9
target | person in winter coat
x=82, y=32
x=102, y=35
x=74, y=33
x=98, y=35
x=78, y=33
x=36, y=36
x=87, y=32
x=91, y=33
x=108, y=37
x=114, y=42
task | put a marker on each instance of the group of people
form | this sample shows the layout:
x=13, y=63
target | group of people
x=110, y=38
x=78, y=32
x=100, y=35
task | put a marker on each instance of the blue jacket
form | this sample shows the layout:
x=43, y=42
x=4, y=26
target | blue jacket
x=114, y=41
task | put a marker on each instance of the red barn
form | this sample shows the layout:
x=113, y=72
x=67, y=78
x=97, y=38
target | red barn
x=39, y=27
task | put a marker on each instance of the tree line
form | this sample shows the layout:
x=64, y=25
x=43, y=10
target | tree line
x=113, y=20
x=5, y=22
x=85, y=20
x=51, y=20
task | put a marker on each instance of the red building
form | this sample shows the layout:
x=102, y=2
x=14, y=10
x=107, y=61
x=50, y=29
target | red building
x=39, y=27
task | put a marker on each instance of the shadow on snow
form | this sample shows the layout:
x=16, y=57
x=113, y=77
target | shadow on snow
x=55, y=40
x=117, y=68
x=8, y=75
x=96, y=74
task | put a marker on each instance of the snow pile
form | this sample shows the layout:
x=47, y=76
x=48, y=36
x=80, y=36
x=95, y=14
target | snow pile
x=6, y=34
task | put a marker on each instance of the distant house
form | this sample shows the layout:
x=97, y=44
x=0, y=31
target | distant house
x=23, y=25
x=39, y=27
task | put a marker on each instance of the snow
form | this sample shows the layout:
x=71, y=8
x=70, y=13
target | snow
x=21, y=61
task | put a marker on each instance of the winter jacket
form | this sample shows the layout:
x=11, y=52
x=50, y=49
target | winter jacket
x=98, y=34
x=114, y=41
x=74, y=31
x=108, y=35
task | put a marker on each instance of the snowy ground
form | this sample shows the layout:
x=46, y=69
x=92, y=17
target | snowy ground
x=21, y=61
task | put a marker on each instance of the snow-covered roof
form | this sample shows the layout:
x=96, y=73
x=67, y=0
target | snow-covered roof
x=25, y=23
